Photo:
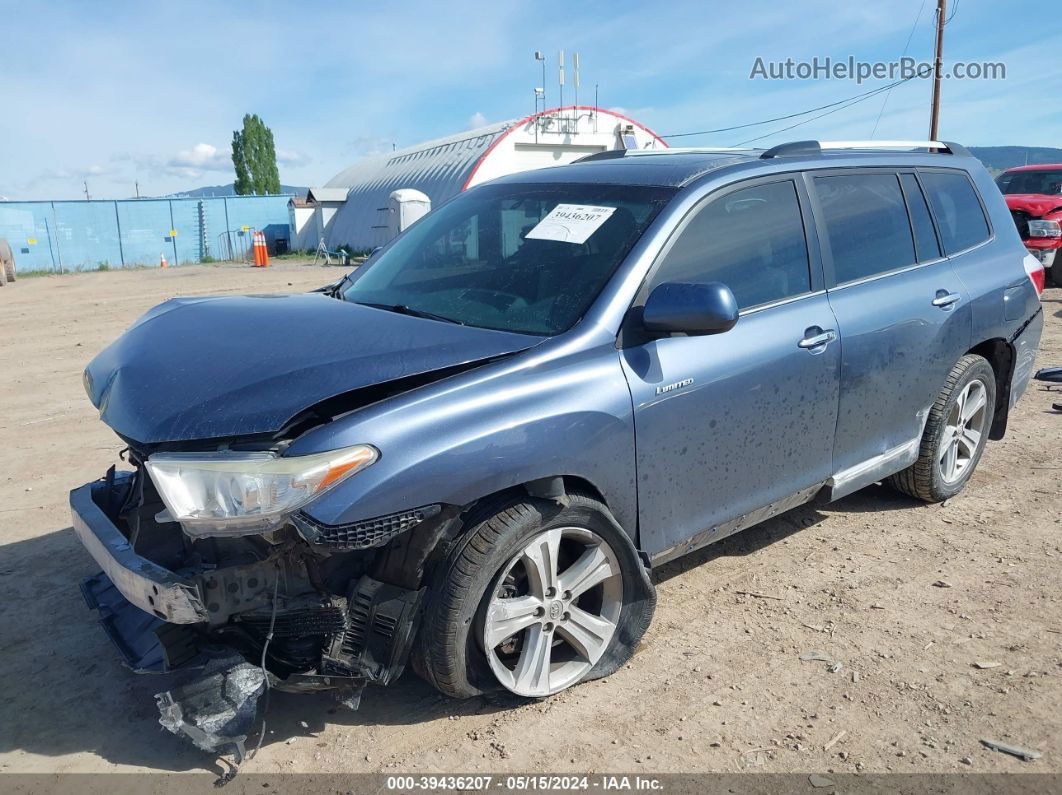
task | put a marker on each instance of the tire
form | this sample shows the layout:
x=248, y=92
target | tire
x=933, y=477
x=3, y=275
x=1053, y=275
x=487, y=562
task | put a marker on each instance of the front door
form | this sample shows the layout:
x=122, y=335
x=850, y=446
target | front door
x=731, y=423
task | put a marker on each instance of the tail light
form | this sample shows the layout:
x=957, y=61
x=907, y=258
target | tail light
x=1035, y=271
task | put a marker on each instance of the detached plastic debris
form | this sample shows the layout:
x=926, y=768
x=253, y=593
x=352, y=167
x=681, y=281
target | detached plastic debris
x=217, y=710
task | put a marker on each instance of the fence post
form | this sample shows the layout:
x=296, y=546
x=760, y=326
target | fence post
x=48, y=232
x=173, y=238
x=204, y=244
x=228, y=226
x=118, y=226
x=58, y=249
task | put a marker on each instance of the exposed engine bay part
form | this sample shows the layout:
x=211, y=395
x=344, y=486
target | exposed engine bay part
x=216, y=711
x=381, y=623
x=149, y=585
x=290, y=610
x=365, y=534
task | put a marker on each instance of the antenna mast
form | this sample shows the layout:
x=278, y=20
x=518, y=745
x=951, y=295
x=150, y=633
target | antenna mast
x=560, y=76
x=575, y=77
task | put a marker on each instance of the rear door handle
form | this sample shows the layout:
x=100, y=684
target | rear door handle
x=945, y=299
x=817, y=340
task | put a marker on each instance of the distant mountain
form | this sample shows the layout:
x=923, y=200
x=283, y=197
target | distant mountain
x=1000, y=158
x=217, y=191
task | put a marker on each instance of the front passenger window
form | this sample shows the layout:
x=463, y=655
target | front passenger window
x=752, y=240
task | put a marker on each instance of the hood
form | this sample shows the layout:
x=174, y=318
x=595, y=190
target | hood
x=1035, y=204
x=201, y=368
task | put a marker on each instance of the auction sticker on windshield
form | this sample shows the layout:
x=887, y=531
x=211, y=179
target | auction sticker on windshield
x=570, y=223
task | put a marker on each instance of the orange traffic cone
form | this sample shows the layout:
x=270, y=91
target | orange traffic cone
x=261, y=252
x=162, y=260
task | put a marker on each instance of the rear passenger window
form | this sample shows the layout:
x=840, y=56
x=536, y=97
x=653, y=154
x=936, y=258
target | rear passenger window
x=925, y=238
x=866, y=224
x=751, y=240
x=959, y=215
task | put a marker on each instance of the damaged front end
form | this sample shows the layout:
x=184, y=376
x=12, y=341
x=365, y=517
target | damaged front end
x=301, y=607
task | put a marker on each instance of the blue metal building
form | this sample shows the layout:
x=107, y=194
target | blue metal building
x=84, y=235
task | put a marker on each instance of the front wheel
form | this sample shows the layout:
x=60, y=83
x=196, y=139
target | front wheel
x=955, y=435
x=534, y=599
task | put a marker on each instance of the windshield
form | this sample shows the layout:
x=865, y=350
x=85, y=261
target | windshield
x=1045, y=182
x=527, y=258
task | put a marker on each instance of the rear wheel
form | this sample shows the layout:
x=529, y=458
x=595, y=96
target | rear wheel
x=534, y=599
x=955, y=435
x=1053, y=275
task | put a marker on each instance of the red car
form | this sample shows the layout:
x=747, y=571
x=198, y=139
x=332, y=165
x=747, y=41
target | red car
x=1034, y=196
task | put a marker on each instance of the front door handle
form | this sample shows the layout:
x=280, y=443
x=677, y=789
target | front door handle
x=818, y=338
x=946, y=299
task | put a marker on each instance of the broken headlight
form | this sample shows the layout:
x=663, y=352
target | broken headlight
x=235, y=494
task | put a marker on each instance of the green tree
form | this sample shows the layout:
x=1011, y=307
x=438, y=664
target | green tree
x=242, y=185
x=254, y=157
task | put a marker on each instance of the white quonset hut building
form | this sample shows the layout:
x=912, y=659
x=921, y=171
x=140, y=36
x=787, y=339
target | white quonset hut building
x=441, y=168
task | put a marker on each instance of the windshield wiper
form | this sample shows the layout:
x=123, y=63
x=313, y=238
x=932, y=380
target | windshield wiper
x=402, y=309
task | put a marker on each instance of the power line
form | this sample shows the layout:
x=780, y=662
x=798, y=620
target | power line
x=906, y=46
x=850, y=103
x=864, y=95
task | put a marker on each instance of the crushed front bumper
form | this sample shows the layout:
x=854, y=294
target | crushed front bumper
x=154, y=589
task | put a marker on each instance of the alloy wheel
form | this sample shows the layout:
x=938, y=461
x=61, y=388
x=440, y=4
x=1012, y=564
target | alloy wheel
x=553, y=611
x=963, y=432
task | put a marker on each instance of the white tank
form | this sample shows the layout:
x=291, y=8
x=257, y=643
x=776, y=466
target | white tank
x=404, y=207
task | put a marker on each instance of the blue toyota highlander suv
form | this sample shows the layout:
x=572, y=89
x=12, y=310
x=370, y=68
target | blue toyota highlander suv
x=470, y=452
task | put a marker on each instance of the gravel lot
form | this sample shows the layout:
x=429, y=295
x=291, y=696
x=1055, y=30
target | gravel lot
x=718, y=684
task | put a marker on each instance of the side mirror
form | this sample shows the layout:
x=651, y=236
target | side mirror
x=708, y=308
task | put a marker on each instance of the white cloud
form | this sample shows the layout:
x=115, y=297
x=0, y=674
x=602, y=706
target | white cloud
x=201, y=157
x=293, y=158
x=476, y=120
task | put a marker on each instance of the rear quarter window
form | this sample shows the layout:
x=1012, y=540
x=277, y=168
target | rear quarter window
x=960, y=218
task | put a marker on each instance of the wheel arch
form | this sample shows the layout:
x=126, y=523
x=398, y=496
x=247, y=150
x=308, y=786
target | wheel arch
x=408, y=560
x=1001, y=356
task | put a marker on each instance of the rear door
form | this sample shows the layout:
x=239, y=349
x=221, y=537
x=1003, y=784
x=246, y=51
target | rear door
x=902, y=313
x=730, y=424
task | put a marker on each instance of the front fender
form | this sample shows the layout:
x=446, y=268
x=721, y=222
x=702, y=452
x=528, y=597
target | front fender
x=540, y=414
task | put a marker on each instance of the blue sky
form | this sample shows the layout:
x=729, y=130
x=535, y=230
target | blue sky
x=113, y=92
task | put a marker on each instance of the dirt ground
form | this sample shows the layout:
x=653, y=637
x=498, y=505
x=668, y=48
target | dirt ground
x=718, y=684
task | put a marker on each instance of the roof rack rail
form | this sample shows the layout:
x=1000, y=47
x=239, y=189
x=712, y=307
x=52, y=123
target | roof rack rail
x=816, y=148
x=607, y=154
x=613, y=154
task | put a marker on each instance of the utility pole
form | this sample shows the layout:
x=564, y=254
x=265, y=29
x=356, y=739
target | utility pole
x=938, y=67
